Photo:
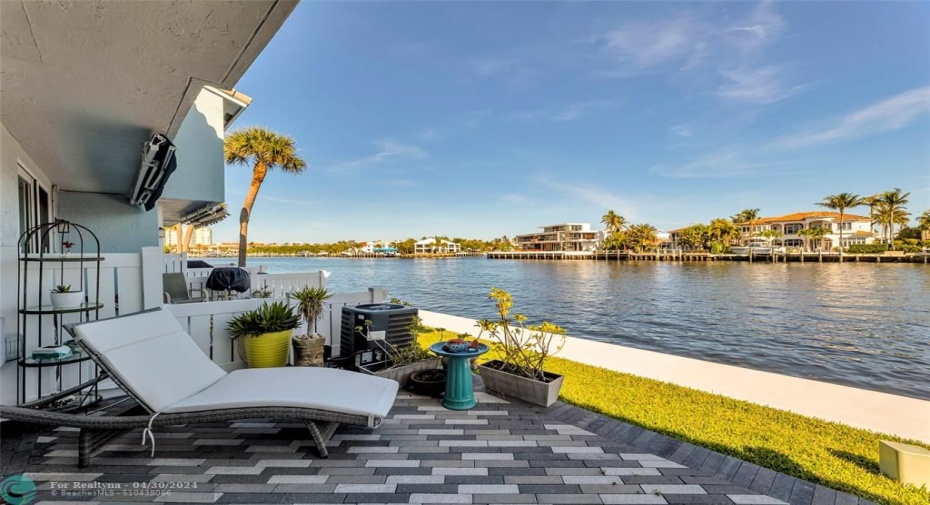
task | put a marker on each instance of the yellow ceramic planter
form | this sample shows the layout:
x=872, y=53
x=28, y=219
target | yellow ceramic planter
x=268, y=349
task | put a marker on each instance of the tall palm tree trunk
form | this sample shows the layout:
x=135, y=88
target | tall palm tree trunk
x=258, y=176
x=188, y=234
x=841, y=232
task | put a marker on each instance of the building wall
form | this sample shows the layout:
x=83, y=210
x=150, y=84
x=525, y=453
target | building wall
x=199, y=150
x=11, y=155
x=120, y=227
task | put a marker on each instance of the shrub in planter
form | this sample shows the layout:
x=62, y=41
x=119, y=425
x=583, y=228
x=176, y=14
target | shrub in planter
x=524, y=349
x=308, y=348
x=264, y=333
x=402, y=361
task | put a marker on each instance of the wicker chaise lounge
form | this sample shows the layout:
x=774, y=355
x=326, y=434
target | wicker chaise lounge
x=158, y=364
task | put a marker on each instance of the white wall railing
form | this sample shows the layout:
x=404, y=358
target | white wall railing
x=207, y=322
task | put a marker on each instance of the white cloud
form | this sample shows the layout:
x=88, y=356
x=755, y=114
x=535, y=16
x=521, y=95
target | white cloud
x=683, y=131
x=486, y=67
x=725, y=163
x=887, y=115
x=732, y=50
x=569, y=112
x=387, y=150
x=592, y=194
x=756, y=85
x=515, y=199
x=428, y=134
x=644, y=45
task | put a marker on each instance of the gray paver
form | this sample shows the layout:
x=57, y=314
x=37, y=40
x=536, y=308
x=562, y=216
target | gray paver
x=425, y=454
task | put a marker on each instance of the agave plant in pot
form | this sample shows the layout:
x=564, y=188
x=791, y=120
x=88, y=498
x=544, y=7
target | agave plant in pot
x=308, y=348
x=524, y=349
x=264, y=333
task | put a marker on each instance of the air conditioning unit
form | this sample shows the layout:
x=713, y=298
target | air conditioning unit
x=158, y=162
x=385, y=321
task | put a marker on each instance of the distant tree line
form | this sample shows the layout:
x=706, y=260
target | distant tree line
x=887, y=211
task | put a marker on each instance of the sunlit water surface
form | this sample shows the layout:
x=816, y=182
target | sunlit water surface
x=863, y=325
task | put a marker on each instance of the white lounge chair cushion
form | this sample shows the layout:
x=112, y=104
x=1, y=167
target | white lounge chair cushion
x=152, y=356
x=306, y=387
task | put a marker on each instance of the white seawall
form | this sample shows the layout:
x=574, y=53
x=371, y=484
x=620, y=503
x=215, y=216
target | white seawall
x=886, y=413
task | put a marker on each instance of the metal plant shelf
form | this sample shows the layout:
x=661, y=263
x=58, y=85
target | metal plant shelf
x=48, y=309
x=75, y=357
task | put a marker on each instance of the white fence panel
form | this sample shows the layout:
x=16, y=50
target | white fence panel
x=281, y=284
x=174, y=263
x=206, y=323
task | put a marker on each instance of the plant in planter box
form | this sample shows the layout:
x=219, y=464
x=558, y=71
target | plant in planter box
x=265, y=333
x=524, y=349
x=402, y=361
x=308, y=349
x=63, y=297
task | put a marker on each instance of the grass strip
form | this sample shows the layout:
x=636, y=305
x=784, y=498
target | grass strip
x=831, y=454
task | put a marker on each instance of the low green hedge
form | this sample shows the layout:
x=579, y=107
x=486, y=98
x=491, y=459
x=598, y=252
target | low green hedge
x=832, y=454
x=867, y=248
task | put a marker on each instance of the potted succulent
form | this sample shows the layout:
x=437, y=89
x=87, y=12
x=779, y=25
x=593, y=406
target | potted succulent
x=524, y=349
x=264, y=333
x=63, y=297
x=308, y=348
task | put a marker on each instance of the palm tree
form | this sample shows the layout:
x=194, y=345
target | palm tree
x=613, y=222
x=642, y=236
x=923, y=222
x=894, y=201
x=722, y=231
x=815, y=234
x=872, y=202
x=841, y=202
x=264, y=150
x=747, y=216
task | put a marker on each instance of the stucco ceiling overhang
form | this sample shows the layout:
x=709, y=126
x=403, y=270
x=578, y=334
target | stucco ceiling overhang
x=83, y=84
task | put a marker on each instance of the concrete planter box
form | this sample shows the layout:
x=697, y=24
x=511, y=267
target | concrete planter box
x=401, y=374
x=531, y=391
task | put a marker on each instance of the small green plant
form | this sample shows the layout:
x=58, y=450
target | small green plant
x=524, y=348
x=62, y=288
x=310, y=303
x=262, y=292
x=268, y=318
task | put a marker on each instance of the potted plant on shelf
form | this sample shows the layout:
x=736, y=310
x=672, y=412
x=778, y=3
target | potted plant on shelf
x=524, y=350
x=308, y=348
x=64, y=298
x=264, y=334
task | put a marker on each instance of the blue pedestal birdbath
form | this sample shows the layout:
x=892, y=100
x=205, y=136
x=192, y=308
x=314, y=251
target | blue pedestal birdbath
x=460, y=394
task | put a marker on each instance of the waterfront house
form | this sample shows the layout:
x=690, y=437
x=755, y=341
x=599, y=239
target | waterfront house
x=561, y=237
x=856, y=229
x=430, y=245
x=85, y=86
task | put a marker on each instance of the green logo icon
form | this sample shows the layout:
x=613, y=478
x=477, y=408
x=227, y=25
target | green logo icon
x=18, y=490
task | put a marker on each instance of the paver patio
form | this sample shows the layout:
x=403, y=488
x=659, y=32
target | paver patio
x=499, y=452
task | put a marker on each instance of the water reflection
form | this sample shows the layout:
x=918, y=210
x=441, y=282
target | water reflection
x=864, y=325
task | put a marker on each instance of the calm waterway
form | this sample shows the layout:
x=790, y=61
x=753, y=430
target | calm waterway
x=863, y=325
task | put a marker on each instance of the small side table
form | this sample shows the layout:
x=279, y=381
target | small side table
x=460, y=394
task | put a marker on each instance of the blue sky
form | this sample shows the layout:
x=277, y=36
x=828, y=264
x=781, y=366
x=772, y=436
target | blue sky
x=483, y=119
